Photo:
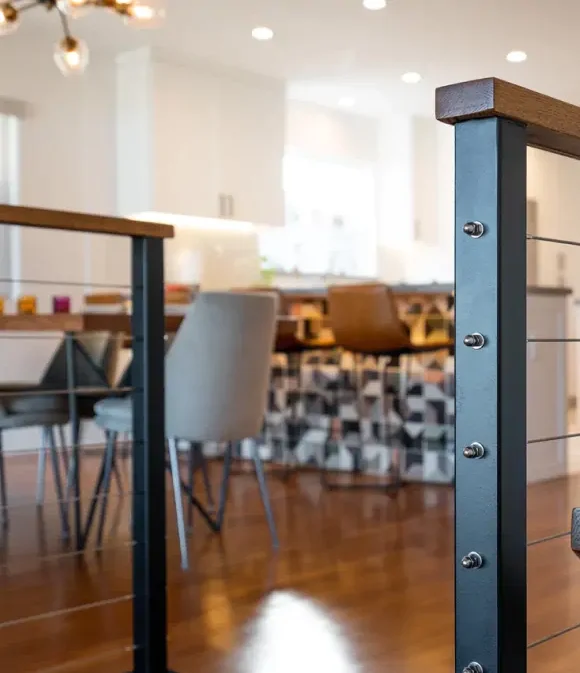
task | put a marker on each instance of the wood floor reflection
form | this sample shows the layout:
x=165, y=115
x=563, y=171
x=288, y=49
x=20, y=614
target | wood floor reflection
x=362, y=582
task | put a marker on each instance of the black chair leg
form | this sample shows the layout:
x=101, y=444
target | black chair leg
x=109, y=463
x=98, y=488
x=50, y=445
x=265, y=495
x=225, y=486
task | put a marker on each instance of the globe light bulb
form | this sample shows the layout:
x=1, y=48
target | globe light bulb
x=74, y=8
x=142, y=13
x=71, y=56
x=9, y=18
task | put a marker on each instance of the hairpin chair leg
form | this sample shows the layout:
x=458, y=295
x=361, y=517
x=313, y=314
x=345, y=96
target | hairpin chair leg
x=264, y=494
x=50, y=445
x=3, y=493
x=175, y=476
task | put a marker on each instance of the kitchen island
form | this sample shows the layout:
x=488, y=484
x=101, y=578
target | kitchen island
x=402, y=414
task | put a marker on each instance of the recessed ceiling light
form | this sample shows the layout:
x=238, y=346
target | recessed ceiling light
x=517, y=56
x=262, y=33
x=411, y=77
x=374, y=4
x=346, y=102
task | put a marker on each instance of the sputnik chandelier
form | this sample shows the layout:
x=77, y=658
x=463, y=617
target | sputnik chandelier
x=71, y=54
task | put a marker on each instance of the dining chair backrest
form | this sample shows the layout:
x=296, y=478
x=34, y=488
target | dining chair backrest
x=96, y=345
x=217, y=371
x=364, y=318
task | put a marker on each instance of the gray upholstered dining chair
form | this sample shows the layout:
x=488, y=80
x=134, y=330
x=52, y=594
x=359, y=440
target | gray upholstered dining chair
x=216, y=384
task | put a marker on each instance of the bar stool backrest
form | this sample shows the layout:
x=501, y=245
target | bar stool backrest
x=218, y=368
x=364, y=318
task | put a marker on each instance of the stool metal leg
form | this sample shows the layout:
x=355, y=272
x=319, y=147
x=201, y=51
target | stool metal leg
x=174, y=464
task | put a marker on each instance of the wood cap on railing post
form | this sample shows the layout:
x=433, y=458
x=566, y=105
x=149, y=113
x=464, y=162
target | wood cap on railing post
x=44, y=218
x=551, y=124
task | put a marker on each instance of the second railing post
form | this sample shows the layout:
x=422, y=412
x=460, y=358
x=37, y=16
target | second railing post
x=490, y=268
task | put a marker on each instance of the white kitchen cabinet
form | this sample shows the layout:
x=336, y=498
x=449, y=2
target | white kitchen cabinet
x=251, y=134
x=200, y=142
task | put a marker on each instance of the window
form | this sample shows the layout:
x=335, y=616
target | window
x=9, y=142
x=331, y=223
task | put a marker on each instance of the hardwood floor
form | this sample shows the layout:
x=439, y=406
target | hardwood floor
x=362, y=582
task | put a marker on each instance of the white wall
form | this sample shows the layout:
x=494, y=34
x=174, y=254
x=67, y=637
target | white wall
x=66, y=140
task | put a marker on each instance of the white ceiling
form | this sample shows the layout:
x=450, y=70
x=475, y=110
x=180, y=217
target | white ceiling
x=328, y=49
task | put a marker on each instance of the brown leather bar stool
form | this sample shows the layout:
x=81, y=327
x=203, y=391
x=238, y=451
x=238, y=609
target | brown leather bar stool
x=365, y=321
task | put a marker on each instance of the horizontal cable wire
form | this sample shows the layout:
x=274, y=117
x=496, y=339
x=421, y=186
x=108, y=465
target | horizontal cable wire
x=64, y=555
x=66, y=611
x=64, y=282
x=549, y=538
x=554, y=438
x=552, y=240
x=47, y=392
x=77, y=663
x=66, y=501
x=552, y=341
x=558, y=634
x=24, y=336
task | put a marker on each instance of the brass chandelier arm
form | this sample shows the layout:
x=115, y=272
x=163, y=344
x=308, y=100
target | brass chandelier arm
x=26, y=5
x=64, y=23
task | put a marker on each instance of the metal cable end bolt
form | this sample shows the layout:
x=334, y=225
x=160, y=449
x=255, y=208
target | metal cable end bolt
x=472, y=561
x=473, y=667
x=474, y=229
x=474, y=450
x=475, y=341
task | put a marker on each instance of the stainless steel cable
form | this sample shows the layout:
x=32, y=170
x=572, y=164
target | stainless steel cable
x=552, y=636
x=65, y=282
x=48, y=392
x=64, y=501
x=57, y=557
x=553, y=439
x=66, y=611
x=75, y=664
x=530, y=237
x=552, y=341
x=548, y=538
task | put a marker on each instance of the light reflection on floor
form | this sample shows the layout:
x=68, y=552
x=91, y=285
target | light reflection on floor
x=293, y=634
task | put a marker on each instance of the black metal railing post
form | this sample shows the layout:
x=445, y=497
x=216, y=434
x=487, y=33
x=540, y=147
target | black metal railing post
x=490, y=270
x=149, y=554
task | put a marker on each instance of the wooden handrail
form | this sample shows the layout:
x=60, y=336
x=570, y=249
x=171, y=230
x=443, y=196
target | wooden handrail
x=69, y=221
x=552, y=124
